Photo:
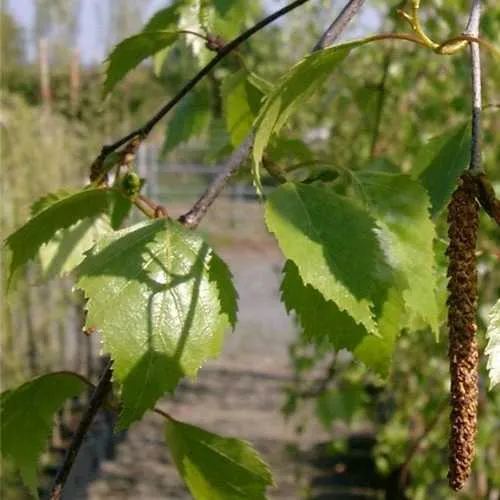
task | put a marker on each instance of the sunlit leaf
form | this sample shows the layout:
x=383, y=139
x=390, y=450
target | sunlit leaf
x=334, y=245
x=407, y=234
x=162, y=302
x=492, y=350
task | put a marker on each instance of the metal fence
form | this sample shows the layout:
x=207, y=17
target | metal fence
x=178, y=185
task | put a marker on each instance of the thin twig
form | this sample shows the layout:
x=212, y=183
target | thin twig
x=98, y=397
x=339, y=25
x=194, y=216
x=223, y=52
x=473, y=30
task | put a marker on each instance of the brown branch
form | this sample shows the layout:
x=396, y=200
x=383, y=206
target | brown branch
x=339, y=24
x=96, y=401
x=194, y=216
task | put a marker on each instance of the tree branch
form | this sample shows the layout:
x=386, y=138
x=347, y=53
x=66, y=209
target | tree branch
x=194, y=216
x=224, y=51
x=99, y=395
x=339, y=24
x=472, y=29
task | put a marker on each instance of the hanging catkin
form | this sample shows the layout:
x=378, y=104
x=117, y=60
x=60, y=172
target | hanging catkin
x=463, y=214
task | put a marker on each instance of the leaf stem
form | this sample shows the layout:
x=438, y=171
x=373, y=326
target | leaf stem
x=96, y=401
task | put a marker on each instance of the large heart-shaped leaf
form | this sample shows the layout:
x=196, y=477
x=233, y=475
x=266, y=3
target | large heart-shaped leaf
x=334, y=245
x=162, y=302
x=401, y=206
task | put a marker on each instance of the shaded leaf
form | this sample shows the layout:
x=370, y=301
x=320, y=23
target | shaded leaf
x=323, y=323
x=443, y=160
x=66, y=250
x=160, y=305
x=334, y=246
x=214, y=466
x=407, y=235
x=492, y=350
x=190, y=118
x=119, y=209
x=132, y=51
x=241, y=103
x=339, y=404
x=54, y=214
x=27, y=419
x=164, y=19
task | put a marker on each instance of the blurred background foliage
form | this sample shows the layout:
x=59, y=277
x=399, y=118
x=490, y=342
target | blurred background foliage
x=381, y=106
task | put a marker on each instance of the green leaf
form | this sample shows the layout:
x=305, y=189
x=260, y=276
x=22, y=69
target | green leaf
x=323, y=323
x=26, y=417
x=407, y=235
x=443, y=160
x=492, y=350
x=164, y=19
x=214, y=466
x=119, y=209
x=334, y=245
x=241, y=103
x=53, y=216
x=220, y=274
x=66, y=250
x=162, y=302
x=190, y=118
x=295, y=86
x=132, y=51
x=284, y=149
x=339, y=404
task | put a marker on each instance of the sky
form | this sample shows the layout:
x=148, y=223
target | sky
x=92, y=40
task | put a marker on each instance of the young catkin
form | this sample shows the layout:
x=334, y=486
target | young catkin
x=463, y=214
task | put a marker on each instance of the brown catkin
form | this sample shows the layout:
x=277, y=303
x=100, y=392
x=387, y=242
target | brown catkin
x=463, y=215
